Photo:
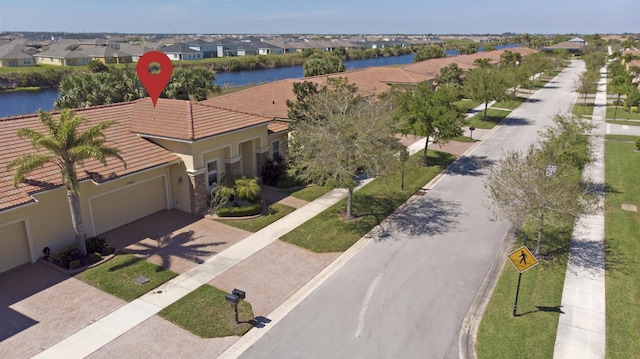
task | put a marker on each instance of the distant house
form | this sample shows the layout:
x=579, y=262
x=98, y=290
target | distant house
x=225, y=47
x=573, y=47
x=108, y=55
x=207, y=48
x=181, y=52
x=62, y=57
x=14, y=56
x=247, y=48
x=577, y=40
x=136, y=51
x=265, y=48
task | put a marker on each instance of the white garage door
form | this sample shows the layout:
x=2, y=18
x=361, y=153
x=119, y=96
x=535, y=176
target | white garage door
x=135, y=201
x=14, y=246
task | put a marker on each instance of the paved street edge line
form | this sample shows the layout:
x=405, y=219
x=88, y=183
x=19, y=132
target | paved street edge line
x=471, y=322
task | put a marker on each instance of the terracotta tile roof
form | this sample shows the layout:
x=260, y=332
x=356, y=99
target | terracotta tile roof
x=278, y=126
x=188, y=121
x=139, y=154
x=269, y=100
x=265, y=100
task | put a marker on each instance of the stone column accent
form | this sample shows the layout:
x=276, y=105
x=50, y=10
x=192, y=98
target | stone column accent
x=233, y=166
x=198, y=191
x=262, y=154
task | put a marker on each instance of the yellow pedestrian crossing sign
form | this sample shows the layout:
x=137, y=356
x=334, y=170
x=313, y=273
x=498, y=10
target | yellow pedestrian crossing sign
x=522, y=259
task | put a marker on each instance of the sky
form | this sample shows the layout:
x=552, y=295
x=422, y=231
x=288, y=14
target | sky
x=322, y=17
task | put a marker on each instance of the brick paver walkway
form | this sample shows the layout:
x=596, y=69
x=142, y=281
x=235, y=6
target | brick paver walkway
x=40, y=306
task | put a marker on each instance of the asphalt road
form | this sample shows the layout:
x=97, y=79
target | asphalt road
x=405, y=295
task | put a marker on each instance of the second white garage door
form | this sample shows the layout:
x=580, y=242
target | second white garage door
x=135, y=201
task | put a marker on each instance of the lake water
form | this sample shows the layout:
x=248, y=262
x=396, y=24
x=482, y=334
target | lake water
x=17, y=103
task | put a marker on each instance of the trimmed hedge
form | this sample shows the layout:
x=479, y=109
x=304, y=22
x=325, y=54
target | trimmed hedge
x=251, y=210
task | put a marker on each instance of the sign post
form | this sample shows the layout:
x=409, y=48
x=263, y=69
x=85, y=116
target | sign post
x=522, y=259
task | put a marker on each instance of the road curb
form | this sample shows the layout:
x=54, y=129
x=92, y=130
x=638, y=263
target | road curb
x=471, y=322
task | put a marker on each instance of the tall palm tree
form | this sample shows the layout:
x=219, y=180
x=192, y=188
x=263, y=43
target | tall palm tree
x=65, y=147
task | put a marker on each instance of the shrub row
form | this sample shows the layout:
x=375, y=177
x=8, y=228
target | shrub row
x=251, y=210
x=69, y=256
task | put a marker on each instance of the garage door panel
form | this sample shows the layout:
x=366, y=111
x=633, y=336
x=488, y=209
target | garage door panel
x=128, y=204
x=14, y=246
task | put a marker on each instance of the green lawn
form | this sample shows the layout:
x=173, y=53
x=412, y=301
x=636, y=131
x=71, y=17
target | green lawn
x=466, y=105
x=533, y=331
x=327, y=232
x=621, y=114
x=275, y=212
x=205, y=313
x=118, y=276
x=511, y=103
x=308, y=193
x=581, y=109
x=493, y=118
x=622, y=171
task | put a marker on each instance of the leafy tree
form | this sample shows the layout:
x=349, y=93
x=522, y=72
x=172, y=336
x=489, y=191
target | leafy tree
x=343, y=135
x=298, y=110
x=450, y=75
x=306, y=53
x=594, y=60
x=629, y=42
x=489, y=48
x=430, y=113
x=92, y=89
x=485, y=84
x=520, y=188
x=63, y=146
x=559, y=38
x=318, y=64
x=190, y=84
x=508, y=58
x=483, y=62
x=468, y=48
x=429, y=52
x=537, y=63
x=97, y=66
x=586, y=83
x=620, y=81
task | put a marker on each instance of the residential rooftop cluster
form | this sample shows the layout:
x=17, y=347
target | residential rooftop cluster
x=17, y=51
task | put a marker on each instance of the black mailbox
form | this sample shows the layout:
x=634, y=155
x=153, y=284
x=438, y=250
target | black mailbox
x=239, y=293
x=232, y=298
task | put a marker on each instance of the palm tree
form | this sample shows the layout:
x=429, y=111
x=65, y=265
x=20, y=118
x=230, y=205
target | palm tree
x=65, y=148
x=247, y=188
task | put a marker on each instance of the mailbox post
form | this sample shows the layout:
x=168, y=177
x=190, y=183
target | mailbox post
x=234, y=298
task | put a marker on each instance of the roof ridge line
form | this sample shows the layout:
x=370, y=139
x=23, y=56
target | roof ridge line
x=190, y=130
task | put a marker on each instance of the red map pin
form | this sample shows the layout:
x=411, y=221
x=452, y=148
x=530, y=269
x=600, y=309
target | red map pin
x=154, y=82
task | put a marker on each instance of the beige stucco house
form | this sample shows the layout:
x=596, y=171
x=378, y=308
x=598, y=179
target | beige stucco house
x=174, y=153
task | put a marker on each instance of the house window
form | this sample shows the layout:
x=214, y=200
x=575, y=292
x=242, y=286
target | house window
x=275, y=149
x=212, y=173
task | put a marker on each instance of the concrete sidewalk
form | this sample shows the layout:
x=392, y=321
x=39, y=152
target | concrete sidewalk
x=582, y=324
x=103, y=331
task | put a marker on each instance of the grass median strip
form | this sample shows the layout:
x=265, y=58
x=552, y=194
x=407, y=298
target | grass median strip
x=533, y=331
x=583, y=109
x=494, y=117
x=205, y=313
x=622, y=170
x=118, y=276
x=327, y=232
